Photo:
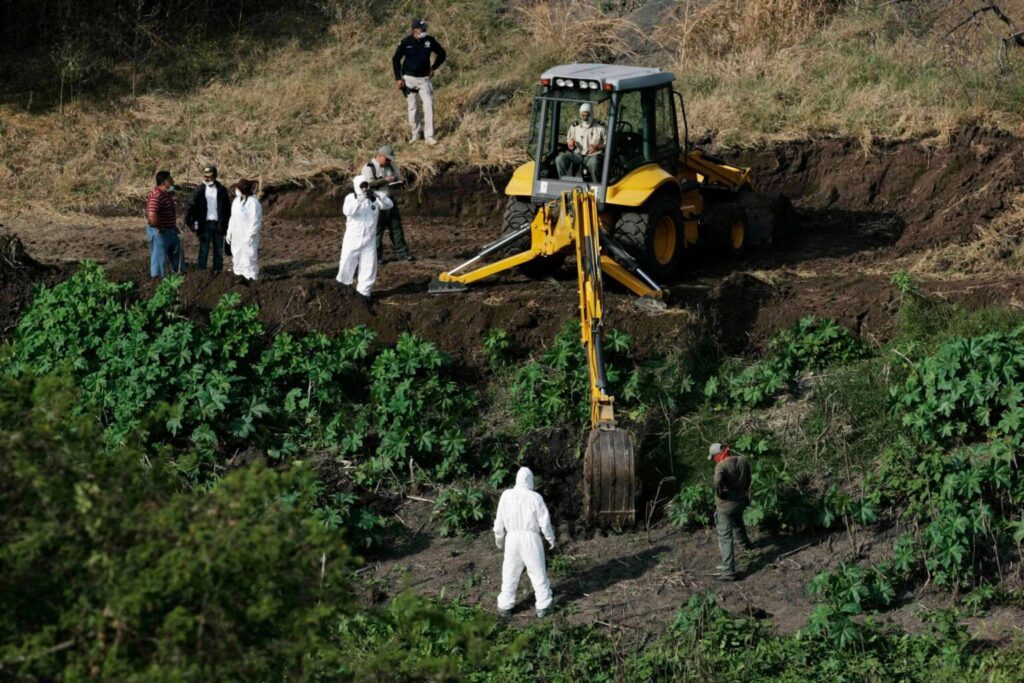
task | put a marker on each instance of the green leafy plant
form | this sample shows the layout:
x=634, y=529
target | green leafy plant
x=497, y=347
x=460, y=509
x=693, y=507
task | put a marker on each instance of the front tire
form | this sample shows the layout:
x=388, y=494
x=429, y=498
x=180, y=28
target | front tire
x=655, y=237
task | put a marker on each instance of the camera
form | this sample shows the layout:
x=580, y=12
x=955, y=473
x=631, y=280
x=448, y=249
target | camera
x=371, y=195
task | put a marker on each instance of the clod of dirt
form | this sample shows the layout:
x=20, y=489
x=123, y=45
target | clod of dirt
x=19, y=273
x=940, y=192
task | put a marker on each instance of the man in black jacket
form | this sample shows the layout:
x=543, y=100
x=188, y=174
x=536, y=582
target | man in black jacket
x=208, y=213
x=413, y=69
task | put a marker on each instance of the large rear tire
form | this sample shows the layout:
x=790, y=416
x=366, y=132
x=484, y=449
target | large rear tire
x=518, y=213
x=654, y=236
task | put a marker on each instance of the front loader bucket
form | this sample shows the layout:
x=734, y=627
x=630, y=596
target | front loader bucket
x=441, y=287
x=609, y=478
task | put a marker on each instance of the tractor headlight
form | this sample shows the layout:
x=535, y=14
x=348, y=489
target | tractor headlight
x=560, y=82
x=569, y=83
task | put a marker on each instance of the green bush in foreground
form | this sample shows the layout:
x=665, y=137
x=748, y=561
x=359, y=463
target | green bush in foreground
x=108, y=570
x=208, y=391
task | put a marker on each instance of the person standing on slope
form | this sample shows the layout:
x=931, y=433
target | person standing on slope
x=382, y=172
x=208, y=214
x=522, y=518
x=244, y=230
x=732, y=495
x=359, y=246
x=413, y=70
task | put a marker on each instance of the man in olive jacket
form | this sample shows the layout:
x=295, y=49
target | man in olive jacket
x=732, y=495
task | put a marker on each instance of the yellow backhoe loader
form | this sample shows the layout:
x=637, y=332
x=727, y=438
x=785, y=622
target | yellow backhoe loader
x=631, y=211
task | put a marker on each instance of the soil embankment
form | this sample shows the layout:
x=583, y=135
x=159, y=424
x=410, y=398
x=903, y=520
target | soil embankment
x=861, y=215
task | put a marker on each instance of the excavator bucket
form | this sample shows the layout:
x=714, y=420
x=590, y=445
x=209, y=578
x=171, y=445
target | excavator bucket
x=609, y=478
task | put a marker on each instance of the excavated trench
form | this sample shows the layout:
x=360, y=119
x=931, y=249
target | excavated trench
x=860, y=215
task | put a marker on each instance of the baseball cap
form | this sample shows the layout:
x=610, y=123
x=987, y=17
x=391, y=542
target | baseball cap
x=210, y=169
x=387, y=151
x=714, y=449
x=420, y=24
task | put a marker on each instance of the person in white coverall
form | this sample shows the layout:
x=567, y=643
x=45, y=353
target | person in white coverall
x=359, y=246
x=522, y=518
x=244, y=230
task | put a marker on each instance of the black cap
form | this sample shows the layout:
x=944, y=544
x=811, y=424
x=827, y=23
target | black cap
x=419, y=23
x=210, y=169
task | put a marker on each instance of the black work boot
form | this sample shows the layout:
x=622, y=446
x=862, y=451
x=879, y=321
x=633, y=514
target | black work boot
x=367, y=302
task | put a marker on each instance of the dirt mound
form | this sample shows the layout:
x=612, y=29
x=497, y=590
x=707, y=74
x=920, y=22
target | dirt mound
x=19, y=273
x=859, y=215
x=453, y=191
x=940, y=192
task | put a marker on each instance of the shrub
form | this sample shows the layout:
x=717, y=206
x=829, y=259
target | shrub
x=460, y=509
x=110, y=571
x=693, y=507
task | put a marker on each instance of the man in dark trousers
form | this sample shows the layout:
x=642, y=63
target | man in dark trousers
x=413, y=69
x=382, y=174
x=207, y=215
x=732, y=495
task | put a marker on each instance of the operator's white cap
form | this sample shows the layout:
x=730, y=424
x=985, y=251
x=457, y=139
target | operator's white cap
x=587, y=107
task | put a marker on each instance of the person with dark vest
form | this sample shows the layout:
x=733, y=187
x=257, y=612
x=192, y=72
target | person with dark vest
x=413, y=69
x=208, y=215
x=382, y=174
x=732, y=495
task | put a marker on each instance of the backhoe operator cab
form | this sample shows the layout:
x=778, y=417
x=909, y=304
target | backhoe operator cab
x=655, y=196
x=633, y=105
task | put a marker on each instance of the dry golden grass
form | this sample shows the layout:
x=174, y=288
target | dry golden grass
x=996, y=246
x=751, y=70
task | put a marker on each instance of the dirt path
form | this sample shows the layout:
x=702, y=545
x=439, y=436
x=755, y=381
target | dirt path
x=634, y=582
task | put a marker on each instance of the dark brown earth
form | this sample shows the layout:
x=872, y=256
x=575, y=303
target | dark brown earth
x=861, y=215
x=633, y=583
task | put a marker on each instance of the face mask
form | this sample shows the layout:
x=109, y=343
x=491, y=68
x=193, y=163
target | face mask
x=171, y=188
x=208, y=183
x=238, y=193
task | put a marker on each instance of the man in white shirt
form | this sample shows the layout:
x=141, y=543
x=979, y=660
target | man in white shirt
x=586, y=140
x=208, y=214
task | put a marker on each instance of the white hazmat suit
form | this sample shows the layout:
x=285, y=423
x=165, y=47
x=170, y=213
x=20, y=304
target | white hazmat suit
x=244, y=236
x=522, y=518
x=359, y=246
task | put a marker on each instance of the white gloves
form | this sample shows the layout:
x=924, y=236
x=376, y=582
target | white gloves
x=500, y=542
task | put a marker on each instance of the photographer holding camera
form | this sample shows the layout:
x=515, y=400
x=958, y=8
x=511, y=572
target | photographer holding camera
x=413, y=69
x=382, y=173
x=359, y=245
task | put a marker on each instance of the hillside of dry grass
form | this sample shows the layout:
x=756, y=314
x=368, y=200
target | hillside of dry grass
x=751, y=70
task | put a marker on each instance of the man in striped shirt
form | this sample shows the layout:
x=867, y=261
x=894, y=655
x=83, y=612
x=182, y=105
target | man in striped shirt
x=161, y=228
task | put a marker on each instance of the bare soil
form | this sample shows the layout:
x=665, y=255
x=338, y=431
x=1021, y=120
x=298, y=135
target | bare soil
x=633, y=583
x=861, y=215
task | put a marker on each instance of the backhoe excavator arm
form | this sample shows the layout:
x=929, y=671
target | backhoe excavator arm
x=591, y=292
x=609, y=468
x=609, y=472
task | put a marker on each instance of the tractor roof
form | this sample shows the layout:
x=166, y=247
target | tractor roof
x=620, y=77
